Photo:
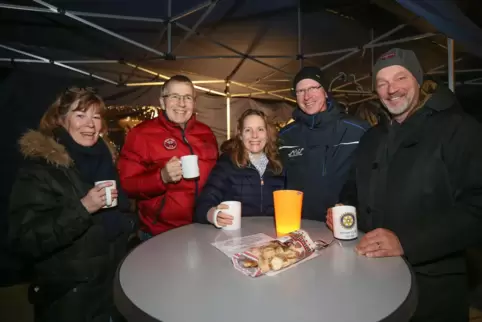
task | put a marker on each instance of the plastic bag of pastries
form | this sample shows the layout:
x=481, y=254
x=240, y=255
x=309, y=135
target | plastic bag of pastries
x=275, y=255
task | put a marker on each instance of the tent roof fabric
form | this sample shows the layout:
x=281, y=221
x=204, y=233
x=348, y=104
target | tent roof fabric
x=249, y=42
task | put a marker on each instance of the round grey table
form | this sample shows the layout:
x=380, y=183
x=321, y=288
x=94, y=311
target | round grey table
x=179, y=276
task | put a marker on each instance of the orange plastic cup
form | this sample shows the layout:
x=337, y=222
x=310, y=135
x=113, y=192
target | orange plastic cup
x=287, y=210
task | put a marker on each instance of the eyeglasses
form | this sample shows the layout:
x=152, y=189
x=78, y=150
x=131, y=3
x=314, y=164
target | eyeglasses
x=178, y=98
x=309, y=90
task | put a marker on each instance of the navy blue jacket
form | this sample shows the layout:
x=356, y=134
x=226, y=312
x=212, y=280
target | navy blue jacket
x=317, y=154
x=227, y=182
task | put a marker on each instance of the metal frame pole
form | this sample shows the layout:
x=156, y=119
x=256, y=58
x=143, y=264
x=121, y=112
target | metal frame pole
x=444, y=65
x=191, y=11
x=451, y=64
x=401, y=40
x=80, y=71
x=234, y=57
x=197, y=24
x=265, y=92
x=228, y=111
x=95, y=26
x=169, y=27
x=300, y=36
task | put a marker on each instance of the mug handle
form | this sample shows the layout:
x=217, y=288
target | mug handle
x=215, y=218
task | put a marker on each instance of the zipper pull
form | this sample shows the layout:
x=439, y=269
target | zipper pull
x=262, y=182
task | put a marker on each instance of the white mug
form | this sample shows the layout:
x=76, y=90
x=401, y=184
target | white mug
x=233, y=210
x=344, y=222
x=190, y=167
x=109, y=203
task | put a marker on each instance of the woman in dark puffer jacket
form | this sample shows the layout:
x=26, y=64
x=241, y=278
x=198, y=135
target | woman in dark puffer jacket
x=248, y=171
x=56, y=217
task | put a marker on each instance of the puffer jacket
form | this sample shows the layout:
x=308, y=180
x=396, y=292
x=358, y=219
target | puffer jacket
x=227, y=182
x=73, y=261
x=148, y=147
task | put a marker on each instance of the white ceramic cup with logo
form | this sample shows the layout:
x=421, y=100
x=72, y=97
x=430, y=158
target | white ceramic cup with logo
x=233, y=210
x=190, y=167
x=109, y=203
x=344, y=222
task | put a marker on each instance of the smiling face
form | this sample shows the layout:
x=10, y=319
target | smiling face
x=398, y=91
x=83, y=126
x=310, y=96
x=254, y=134
x=178, y=101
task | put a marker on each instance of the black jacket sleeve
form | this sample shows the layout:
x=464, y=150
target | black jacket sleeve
x=42, y=219
x=460, y=226
x=214, y=190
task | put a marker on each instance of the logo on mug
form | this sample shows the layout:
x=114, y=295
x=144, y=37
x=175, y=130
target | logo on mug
x=347, y=220
x=170, y=144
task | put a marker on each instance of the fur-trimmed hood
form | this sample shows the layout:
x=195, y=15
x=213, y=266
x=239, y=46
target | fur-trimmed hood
x=34, y=144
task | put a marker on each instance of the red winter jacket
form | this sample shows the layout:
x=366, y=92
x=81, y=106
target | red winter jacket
x=148, y=147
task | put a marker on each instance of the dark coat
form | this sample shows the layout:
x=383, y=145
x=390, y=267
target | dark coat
x=227, y=182
x=317, y=154
x=423, y=181
x=73, y=261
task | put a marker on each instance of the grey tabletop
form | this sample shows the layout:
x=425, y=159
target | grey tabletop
x=179, y=276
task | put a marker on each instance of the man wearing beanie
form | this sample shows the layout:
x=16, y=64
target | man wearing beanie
x=317, y=147
x=418, y=185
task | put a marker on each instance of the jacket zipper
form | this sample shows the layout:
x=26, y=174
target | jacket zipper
x=163, y=201
x=323, y=173
x=262, y=184
x=261, y=181
x=192, y=152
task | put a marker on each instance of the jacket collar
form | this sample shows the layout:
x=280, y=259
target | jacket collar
x=165, y=121
x=317, y=120
x=34, y=144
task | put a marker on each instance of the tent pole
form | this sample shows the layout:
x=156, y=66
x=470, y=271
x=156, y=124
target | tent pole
x=95, y=26
x=234, y=56
x=443, y=66
x=332, y=52
x=191, y=11
x=456, y=71
x=372, y=56
x=80, y=71
x=450, y=63
x=397, y=41
x=228, y=112
x=348, y=55
x=300, y=36
x=197, y=24
x=169, y=27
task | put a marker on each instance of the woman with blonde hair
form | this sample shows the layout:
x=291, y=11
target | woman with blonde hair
x=249, y=171
x=60, y=221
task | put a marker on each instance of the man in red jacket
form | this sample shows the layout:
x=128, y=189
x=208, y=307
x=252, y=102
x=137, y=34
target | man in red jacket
x=149, y=163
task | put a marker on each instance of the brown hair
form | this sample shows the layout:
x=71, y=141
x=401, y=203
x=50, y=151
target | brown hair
x=73, y=99
x=239, y=154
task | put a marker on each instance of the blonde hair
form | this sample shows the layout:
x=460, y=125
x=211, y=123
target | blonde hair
x=73, y=99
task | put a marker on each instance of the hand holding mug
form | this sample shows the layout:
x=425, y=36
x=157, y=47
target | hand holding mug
x=222, y=219
x=96, y=197
x=172, y=171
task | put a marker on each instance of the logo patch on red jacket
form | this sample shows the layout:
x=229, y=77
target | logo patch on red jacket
x=170, y=144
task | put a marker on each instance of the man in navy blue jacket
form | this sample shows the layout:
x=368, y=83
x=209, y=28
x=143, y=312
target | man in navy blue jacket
x=317, y=147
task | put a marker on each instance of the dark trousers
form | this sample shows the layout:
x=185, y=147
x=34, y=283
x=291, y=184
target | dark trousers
x=442, y=299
